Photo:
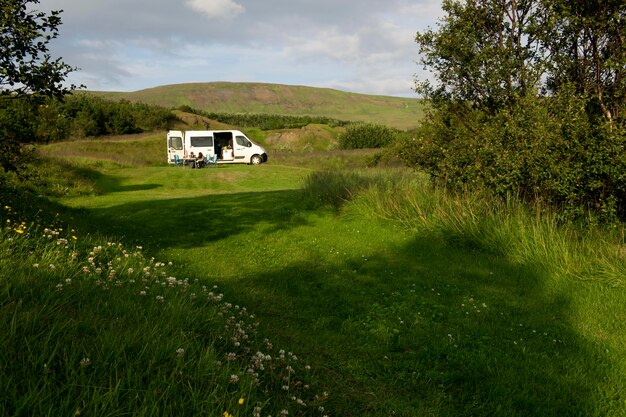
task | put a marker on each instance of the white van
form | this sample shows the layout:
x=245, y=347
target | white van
x=230, y=146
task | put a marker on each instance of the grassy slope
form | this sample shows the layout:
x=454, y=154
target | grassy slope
x=222, y=97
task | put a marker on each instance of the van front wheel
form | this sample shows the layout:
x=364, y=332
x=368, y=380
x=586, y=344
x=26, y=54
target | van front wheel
x=256, y=160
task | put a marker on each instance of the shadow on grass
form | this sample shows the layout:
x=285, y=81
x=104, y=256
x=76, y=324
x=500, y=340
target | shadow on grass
x=113, y=184
x=98, y=182
x=418, y=329
x=430, y=330
x=193, y=222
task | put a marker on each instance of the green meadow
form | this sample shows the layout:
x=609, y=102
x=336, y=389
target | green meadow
x=310, y=285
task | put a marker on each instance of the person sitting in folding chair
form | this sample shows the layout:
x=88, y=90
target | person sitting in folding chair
x=200, y=161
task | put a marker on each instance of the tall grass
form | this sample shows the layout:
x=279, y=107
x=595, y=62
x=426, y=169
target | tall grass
x=90, y=327
x=145, y=149
x=523, y=234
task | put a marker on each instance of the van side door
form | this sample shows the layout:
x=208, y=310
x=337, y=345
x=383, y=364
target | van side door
x=175, y=146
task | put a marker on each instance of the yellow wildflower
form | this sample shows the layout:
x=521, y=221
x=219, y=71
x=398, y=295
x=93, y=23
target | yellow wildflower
x=241, y=401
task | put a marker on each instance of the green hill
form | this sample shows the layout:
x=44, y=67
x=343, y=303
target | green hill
x=227, y=97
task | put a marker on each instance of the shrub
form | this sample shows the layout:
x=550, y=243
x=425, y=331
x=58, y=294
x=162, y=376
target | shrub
x=542, y=150
x=266, y=121
x=82, y=115
x=366, y=135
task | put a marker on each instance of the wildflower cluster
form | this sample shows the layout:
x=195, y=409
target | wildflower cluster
x=26, y=240
x=113, y=265
x=261, y=365
x=12, y=221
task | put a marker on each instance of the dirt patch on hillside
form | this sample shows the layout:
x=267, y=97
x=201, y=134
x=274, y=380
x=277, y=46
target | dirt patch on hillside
x=264, y=95
x=311, y=137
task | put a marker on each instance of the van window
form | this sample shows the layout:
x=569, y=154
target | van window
x=242, y=141
x=201, y=141
x=176, y=143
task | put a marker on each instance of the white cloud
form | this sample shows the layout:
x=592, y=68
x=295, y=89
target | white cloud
x=396, y=86
x=215, y=9
x=129, y=45
x=325, y=43
x=422, y=14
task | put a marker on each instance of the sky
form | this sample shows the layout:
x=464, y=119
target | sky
x=361, y=46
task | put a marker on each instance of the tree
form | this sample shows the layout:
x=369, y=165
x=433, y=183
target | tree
x=586, y=41
x=529, y=99
x=485, y=53
x=27, y=70
x=492, y=52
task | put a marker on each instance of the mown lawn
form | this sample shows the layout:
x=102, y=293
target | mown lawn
x=396, y=322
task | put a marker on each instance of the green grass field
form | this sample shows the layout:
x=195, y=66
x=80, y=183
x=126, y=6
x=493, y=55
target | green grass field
x=402, y=300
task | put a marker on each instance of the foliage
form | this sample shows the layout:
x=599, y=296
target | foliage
x=83, y=115
x=78, y=116
x=516, y=111
x=16, y=126
x=483, y=53
x=543, y=151
x=586, y=43
x=265, y=121
x=27, y=73
x=26, y=67
x=366, y=135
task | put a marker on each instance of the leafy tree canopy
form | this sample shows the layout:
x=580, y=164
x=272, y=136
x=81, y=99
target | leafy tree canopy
x=528, y=99
x=26, y=67
x=27, y=72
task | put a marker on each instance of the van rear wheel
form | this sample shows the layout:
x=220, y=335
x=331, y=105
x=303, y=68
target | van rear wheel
x=256, y=160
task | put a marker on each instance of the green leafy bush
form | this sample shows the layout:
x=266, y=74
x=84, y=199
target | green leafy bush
x=16, y=127
x=547, y=151
x=265, y=121
x=82, y=115
x=366, y=135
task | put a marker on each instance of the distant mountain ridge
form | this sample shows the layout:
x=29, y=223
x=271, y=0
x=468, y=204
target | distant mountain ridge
x=231, y=97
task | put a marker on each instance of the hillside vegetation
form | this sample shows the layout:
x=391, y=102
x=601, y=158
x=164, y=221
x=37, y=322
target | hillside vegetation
x=226, y=97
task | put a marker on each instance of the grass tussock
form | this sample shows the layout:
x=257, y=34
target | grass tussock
x=524, y=235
